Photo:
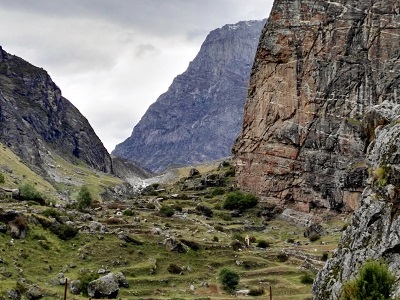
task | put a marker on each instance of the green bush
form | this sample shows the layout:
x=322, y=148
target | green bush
x=128, y=212
x=219, y=228
x=307, y=278
x=262, y=244
x=29, y=192
x=217, y=191
x=85, y=278
x=51, y=212
x=166, y=211
x=282, y=257
x=204, y=210
x=374, y=282
x=314, y=237
x=174, y=269
x=84, y=198
x=239, y=200
x=324, y=256
x=64, y=232
x=228, y=278
x=2, y=178
x=257, y=291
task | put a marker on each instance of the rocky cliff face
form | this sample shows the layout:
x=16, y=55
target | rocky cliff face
x=319, y=67
x=373, y=232
x=200, y=115
x=37, y=122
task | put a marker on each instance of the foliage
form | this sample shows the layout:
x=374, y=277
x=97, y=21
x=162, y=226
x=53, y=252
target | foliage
x=228, y=278
x=381, y=176
x=84, y=198
x=230, y=172
x=258, y=291
x=282, y=257
x=262, y=244
x=174, y=269
x=191, y=244
x=51, y=212
x=314, y=237
x=217, y=191
x=86, y=277
x=374, y=282
x=307, y=278
x=29, y=192
x=64, y=232
x=2, y=178
x=128, y=212
x=113, y=221
x=219, y=228
x=239, y=200
x=238, y=236
x=325, y=256
x=166, y=211
x=204, y=210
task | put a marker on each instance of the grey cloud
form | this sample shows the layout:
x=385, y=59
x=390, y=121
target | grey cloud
x=145, y=50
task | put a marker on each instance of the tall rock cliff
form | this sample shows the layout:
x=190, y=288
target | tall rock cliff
x=319, y=67
x=36, y=120
x=200, y=115
x=375, y=226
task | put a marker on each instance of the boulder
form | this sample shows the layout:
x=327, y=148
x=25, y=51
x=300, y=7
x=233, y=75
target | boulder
x=75, y=287
x=104, y=287
x=34, y=293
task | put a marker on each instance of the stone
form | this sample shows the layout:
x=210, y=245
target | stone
x=104, y=287
x=34, y=293
x=199, y=117
x=75, y=287
x=319, y=67
x=171, y=244
x=122, y=282
x=14, y=294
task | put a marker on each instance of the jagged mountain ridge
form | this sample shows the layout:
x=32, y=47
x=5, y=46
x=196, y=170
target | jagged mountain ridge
x=36, y=120
x=199, y=117
x=319, y=67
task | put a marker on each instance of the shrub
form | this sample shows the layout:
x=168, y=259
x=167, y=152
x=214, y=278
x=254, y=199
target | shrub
x=85, y=278
x=225, y=217
x=228, y=278
x=128, y=212
x=204, y=210
x=84, y=198
x=217, y=191
x=282, y=257
x=29, y=192
x=314, y=237
x=2, y=178
x=113, y=221
x=215, y=239
x=258, y=291
x=307, y=278
x=225, y=164
x=174, y=269
x=238, y=236
x=374, y=281
x=191, y=244
x=150, y=205
x=166, y=211
x=51, y=212
x=324, y=256
x=178, y=208
x=262, y=244
x=219, y=228
x=64, y=232
x=230, y=172
x=239, y=200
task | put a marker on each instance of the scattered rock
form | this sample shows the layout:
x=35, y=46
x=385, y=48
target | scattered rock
x=75, y=287
x=104, y=287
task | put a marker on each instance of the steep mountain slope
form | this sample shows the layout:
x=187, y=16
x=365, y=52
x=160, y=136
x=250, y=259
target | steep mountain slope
x=199, y=117
x=319, y=67
x=36, y=120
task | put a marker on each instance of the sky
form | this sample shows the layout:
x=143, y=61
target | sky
x=113, y=58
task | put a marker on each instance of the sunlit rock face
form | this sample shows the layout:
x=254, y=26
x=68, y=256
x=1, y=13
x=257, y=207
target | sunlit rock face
x=319, y=67
x=199, y=117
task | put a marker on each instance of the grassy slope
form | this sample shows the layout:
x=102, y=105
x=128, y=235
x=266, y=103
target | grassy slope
x=42, y=255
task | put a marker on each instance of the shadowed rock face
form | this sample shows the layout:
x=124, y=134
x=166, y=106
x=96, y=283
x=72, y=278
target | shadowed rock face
x=319, y=66
x=199, y=117
x=37, y=122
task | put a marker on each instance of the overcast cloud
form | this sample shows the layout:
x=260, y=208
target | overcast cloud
x=113, y=58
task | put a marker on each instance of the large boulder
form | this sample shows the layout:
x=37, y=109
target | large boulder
x=107, y=286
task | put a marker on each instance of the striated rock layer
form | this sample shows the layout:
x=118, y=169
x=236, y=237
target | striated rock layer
x=199, y=117
x=375, y=226
x=318, y=68
x=37, y=122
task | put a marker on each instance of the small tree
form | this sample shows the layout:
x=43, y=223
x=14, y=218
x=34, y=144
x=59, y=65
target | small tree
x=2, y=178
x=240, y=200
x=374, y=282
x=84, y=198
x=228, y=278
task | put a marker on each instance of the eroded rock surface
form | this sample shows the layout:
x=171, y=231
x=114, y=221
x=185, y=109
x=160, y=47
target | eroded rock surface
x=319, y=67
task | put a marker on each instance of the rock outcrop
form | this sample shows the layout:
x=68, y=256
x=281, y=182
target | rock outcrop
x=320, y=65
x=199, y=117
x=373, y=232
x=36, y=122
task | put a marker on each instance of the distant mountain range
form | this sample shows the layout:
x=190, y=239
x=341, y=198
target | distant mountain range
x=199, y=117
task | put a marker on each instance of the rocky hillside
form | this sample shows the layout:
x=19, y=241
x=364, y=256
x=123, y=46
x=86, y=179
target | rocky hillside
x=37, y=123
x=319, y=67
x=199, y=117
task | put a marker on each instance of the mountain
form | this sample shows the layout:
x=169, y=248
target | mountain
x=37, y=122
x=199, y=117
x=319, y=68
